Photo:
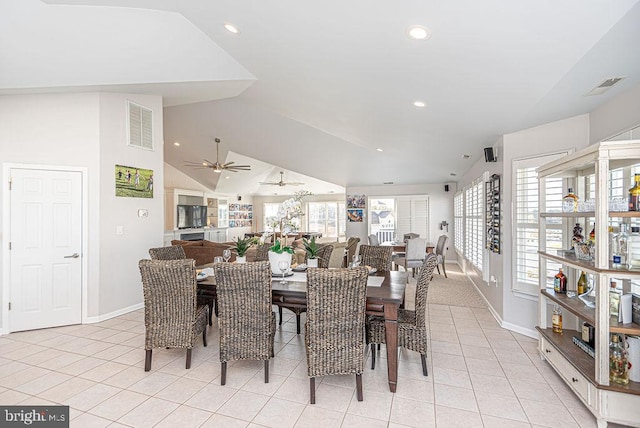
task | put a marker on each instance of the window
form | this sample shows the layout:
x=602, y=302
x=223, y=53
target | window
x=474, y=223
x=458, y=222
x=270, y=216
x=391, y=217
x=327, y=218
x=526, y=223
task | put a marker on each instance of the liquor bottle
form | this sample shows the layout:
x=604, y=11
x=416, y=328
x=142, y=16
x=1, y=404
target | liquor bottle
x=633, y=249
x=577, y=235
x=592, y=235
x=560, y=282
x=570, y=202
x=634, y=194
x=556, y=320
x=618, y=363
x=613, y=244
x=623, y=248
x=582, y=283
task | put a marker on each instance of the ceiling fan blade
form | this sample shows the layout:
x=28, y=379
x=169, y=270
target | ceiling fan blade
x=270, y=183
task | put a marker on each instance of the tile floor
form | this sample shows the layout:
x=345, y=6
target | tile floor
x=479, y=376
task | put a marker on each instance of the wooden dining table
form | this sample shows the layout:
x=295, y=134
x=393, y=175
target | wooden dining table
x=400, y=247
x=383, y=300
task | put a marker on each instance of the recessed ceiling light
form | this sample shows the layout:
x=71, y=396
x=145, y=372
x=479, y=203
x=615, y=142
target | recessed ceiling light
x=418, y=32
x=419, y=104
x=231, y=28
x=175, y=143
x=227, y=177
x=330, y=191
x=379, y=149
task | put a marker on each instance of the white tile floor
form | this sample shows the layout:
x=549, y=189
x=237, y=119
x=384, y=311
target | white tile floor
x=479, y=376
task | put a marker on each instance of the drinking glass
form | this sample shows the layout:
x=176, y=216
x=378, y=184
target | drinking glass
x=226, y=254
x=283, y=265
x=356, y=261
x=217, y=259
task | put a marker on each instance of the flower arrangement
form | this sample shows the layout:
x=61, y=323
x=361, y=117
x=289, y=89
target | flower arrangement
x=287, y=220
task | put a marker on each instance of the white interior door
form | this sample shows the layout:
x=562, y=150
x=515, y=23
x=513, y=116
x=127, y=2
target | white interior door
x=46, y=248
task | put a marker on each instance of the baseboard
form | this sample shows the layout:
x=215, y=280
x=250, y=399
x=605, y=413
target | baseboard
x=104, y=317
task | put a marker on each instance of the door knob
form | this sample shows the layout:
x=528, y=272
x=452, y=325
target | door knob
x=72, y=256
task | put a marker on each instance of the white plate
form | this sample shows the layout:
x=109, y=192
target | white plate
x=201, y=276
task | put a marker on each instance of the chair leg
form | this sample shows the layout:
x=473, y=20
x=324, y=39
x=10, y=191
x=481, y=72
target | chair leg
x=378, y=346
x=438, y=267
x=188, y=358
x=223, y=373
x=280, y=315
x=312, y=390
x=266, y=371
x=424, y=364
x=444, y=270
x=210, y=312
x=298, y=323
x=147, y=360
x=215, y=307
x=359, y=386
x=204, y=336
x=373, y=356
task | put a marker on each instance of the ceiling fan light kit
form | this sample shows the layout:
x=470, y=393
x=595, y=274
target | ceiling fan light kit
x=217, y=166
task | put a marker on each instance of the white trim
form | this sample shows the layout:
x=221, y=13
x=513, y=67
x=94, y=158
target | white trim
x=524, y=295
x=6, y=169
x=116, y=313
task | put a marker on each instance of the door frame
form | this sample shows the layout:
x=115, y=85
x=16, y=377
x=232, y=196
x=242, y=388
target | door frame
x=6, y=233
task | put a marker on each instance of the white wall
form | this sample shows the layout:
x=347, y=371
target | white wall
x=440, y=208
x=87, y=130
x=616, y=116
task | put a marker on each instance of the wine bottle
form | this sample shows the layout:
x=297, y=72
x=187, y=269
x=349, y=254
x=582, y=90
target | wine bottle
x=560, y=282
x=556, y=320
x=582, y=283
x=634, y=194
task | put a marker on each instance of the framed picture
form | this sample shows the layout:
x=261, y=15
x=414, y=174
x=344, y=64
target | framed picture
x=356, y=201
x=133, y=182
x=355, y=215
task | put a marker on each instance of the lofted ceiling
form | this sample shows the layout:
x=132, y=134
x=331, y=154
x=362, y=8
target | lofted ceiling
x=314, y=88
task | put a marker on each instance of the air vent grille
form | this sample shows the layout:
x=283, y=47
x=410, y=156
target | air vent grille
x=605, y=86
x=140, y=126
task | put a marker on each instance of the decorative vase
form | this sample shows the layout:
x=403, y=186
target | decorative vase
x=312, y=262
x=241, y=259
x=275, y=258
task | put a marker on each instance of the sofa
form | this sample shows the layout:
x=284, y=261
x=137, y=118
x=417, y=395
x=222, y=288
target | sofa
x=204, y=251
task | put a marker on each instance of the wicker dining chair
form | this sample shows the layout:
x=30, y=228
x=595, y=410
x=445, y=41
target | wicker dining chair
x=352, y=245
x=172, y=317
x=324, y=255
x=376, y=256
x=176, y=252
x=336, y=305
x=247, y=324
x=262, y=253
x=173, y=252
x=412, y=327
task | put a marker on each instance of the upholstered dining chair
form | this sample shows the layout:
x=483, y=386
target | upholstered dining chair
x=247, y=324
x=441, y=250
x=412, y=327
x=414, y=256
x=172, y=317
x=336, y=306
x=352, y=246
x=373, y=240
x=176, y=252
x=376, y=256
x=337, y=255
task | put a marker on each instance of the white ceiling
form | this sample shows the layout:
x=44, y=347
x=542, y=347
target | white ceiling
x=316, y=87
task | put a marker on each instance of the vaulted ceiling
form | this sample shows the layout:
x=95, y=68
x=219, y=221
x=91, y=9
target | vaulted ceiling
x=315, y=88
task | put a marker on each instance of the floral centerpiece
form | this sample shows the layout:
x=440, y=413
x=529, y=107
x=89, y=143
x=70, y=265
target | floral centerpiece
x=286, y=221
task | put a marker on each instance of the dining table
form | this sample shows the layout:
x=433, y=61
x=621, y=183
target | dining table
x=400, y=247
x=385, y=294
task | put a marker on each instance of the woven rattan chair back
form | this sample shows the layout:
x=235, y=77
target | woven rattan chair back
x=173, y=252
x=422, y=288
x=262, y=253
x=336, y=306
x=247, y=324
x=171, y=316
x=376, y=256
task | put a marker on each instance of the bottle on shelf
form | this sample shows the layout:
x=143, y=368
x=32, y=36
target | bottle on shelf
x=577, y=235
x=582, y=283
x=560, y=282
x=613, y=244
x=633, y=249
x=634, y=194
x=556, y=320
x=592, y=235
x=618, y=362
x=622, y=247
x=588, y=334
x=570, y=202
x=614, y=300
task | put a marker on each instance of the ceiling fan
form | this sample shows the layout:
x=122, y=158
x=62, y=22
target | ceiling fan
x=282, y=183
x=217, y=166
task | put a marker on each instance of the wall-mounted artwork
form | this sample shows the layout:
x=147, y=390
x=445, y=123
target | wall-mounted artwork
x=132, y=182
x=355, y=215
x=356, y=201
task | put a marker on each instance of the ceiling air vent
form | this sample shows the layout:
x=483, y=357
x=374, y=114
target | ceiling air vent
x=140, y=126
x=604, y=86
